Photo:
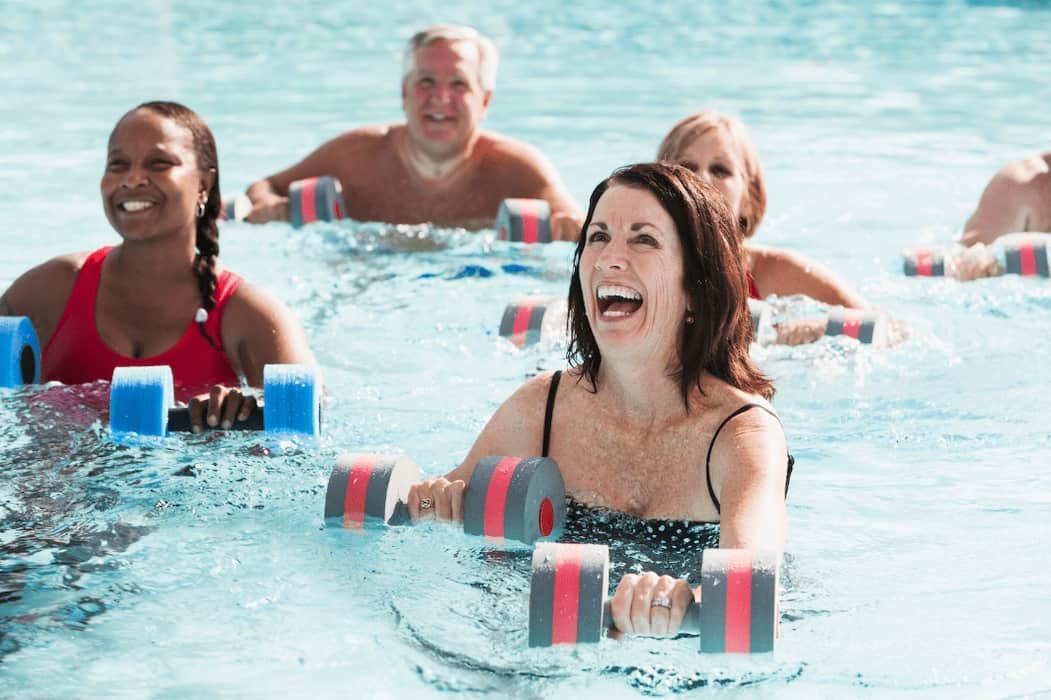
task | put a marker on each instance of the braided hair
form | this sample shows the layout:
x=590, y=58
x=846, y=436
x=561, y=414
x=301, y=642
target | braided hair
x=207, y=240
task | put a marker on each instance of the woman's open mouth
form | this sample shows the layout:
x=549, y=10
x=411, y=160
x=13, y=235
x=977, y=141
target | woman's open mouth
x=617, y=301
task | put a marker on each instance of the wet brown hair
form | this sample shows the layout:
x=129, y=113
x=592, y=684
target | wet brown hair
x=713, y=279
x=692, y=127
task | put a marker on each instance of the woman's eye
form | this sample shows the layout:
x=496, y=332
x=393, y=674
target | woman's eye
x=721, y=171
x=646, y=239
x=597, y=236
x=116, y=164
x=689, y=165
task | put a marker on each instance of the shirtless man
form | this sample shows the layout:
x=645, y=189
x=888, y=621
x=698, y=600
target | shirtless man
x=438, y=166
x=1017, y=199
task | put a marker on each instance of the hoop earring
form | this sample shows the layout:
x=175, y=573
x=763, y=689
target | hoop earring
x=200, y=209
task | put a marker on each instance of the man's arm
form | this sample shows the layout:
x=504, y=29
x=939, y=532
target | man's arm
x=1006, y=204
x=270, y=196
x=537, y=178
x=784, y=273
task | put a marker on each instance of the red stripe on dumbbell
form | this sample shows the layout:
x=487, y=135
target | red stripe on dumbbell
x=1027, y=259
x=357, y=490
x=739, y=603
x=530, y=222
x=566, y=596
x=307, y=201
x=923, y=263
x=521, y=326
x=852, y=324
x=496, y=498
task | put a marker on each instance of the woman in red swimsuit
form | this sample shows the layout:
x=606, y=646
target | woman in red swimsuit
x=160, y=297
x=719, y=149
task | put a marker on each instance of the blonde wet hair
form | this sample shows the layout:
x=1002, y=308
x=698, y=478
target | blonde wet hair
x=692, y=127
x=488, y=56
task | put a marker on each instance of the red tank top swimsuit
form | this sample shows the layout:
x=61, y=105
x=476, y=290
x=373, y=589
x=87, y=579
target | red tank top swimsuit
x=77, y=355
x=753, y=291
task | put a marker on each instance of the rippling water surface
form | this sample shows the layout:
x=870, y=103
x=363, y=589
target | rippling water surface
x=920, y=507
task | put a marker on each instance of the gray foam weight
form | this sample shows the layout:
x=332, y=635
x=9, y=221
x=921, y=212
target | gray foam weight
x=721, y=614
x=1013, y=258
x=534, y=480
x=584, y=600
x=838, y=322
x=514, y=217
x=911, y=261
x=328, y=201
x=388, y=481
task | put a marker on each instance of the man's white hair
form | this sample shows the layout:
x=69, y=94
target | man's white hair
x=488, y=56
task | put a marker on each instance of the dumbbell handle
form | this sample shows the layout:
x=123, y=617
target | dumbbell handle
x=179, y=421
x=691, y=622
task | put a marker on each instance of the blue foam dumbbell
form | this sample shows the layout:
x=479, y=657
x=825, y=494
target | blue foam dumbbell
x=142, y=401
x=19, y=352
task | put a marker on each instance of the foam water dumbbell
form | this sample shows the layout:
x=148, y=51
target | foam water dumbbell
x=1027, y=258
x=519, y=499
x=865, y=326
x=529, y=320
x=309, y=200
x=142, y=401
x=19, y=352
x=924, y=262
x=738, y=612
x=524, y=221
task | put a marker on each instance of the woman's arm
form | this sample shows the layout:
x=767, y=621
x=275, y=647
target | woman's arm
x=784, y=273
x=257, y=330
x=515, y=429
x=41, y=294
x=749, y=471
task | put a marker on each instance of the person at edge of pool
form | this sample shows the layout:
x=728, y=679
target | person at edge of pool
x=438, y=166
x=160, y=297
x=719, y=149
x=662, y=414
x=1017, y=201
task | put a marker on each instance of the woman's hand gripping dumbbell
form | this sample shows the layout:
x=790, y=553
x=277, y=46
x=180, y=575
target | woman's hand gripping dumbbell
x=506, y=499
x=142, y=402
x=737, y=611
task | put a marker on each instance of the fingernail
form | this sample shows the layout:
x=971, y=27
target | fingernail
x=213, y=421
x=227, y=424
x=196, y=428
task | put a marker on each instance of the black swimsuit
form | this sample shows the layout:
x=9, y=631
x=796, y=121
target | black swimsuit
x=586, y=523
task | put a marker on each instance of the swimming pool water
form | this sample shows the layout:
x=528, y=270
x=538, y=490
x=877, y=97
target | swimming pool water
x=919, y=508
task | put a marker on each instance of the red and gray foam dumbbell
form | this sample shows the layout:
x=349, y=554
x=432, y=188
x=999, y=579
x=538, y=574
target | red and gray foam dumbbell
x=863, y=325
x=524, y=221
x=924, y=262
x=518, y=499
x=529, y=320
x=309, y=200
x=1028, y=258
x=738, y=612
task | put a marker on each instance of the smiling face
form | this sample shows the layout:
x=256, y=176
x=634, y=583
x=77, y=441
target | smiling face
x=443, y=98
x=152, y=184
x=715, y=158
x=631, y=273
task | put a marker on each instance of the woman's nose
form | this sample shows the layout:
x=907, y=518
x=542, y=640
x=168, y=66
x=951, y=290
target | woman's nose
x=135, y=176
x=611, y=257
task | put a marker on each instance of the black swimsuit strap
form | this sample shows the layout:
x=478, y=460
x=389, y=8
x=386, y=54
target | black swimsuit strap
x=708, y=459
x=550, y=410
